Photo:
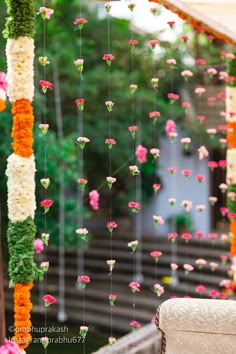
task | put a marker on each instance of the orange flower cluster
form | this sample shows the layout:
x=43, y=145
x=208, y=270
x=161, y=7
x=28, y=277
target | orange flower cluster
x=233, y=242
x=231, y=135
x=22, y=307
x=233, y=284
x=22, y=131
x=2, y=105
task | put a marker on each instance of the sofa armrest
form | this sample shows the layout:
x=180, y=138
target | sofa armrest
x=197, y=326
x=198, y=315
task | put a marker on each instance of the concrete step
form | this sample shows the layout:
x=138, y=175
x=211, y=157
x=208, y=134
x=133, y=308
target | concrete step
x=97, y=308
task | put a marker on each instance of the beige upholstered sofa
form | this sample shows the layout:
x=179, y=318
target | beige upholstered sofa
x=198, y=326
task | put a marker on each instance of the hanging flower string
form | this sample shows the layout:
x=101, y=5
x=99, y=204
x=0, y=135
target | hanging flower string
x=141, y=154
x=46, y=204
x=82, y=232
x=110, y=180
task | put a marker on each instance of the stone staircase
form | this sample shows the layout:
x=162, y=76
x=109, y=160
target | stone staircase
x=97, y=309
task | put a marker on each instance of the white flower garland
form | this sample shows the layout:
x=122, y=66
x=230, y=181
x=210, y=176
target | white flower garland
x=231, y=164
x=21, y=187
x=2, y=94
x=20, y=72
x=231, y=103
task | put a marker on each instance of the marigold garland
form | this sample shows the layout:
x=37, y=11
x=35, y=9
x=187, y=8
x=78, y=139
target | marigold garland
x=233, y=242
x=2, y=105
x=22, y=307
x=22, y=131
x=231, y=135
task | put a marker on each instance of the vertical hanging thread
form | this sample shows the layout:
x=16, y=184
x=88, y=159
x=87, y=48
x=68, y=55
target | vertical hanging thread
x=136, y=236
x=110, y=179
x=45, y=170
x=172, y=134
x=82, y=232
x=158, y=220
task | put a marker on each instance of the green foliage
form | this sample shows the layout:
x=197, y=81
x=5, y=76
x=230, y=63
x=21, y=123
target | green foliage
x=21, y=247
x=63, y=155
x=183, y=220
x=95, y=77
x=21, y=18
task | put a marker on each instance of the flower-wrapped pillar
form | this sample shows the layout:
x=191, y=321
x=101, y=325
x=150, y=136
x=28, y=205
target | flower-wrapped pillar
x=19, y=32
x=231, y=155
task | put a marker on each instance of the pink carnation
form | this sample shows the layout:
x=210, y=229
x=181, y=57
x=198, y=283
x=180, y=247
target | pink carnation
x=134, y=206
x=9, y=347
x=185, y=104
x=200, y=289
x=80, y=21
x=200, y=178
x=156, y=255
x=186, y=173
x=172, y=236
x=153, y=42
x=214, y=293
x=172, y=170
x=186, y=236
x=200, y=61
x=38, y=246
x=170, y=127
x=173, y=97
x=46, y=12
x=135, y=324
x=200, y=90
x=154, y=115
x=184, y=38
x=94, y=199
x=171, y=61
x=49, y=300
x=134, y=286
x=200, y=234
x=141, y=153
x=188, y=267
x=133, y=42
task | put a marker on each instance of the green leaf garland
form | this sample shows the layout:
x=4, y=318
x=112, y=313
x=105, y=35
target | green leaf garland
x=21, y=18
x=22, y=267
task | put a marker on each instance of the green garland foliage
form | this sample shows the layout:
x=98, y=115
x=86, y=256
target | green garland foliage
x=231, y=205
x=231, y=70
x=22, y=267
x=21, y=18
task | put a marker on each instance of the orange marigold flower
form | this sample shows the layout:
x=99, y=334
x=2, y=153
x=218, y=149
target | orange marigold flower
x=2, y=105
x=22, y=131
x=22, y=307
